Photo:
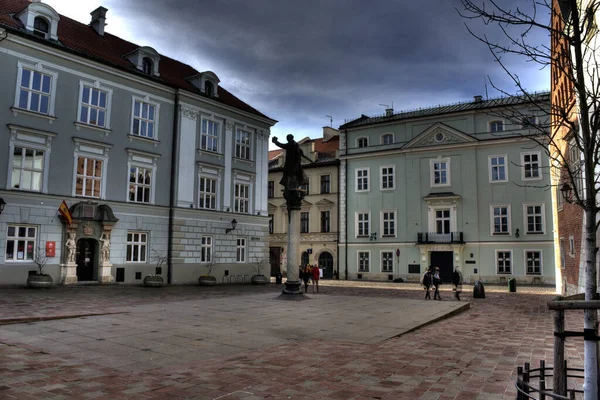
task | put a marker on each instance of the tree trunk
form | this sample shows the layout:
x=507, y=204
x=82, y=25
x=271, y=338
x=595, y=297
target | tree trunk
x=590, y=316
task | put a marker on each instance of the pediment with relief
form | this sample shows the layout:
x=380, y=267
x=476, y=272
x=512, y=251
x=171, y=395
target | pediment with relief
x=440, y=134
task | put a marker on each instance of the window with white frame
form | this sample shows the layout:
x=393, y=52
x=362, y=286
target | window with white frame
x=36, y=89
x=387, y=138
x=93, y=108
x=242, y=144
x=325, y=184
x=27, y=169
x=325, y=221
x=88, y=181
x=240, y=255
x=496, y=126
x=440, y=172
x=363, y=261
x=20, y=243
x=388, y=222
x=442, y=221
x=387, y=261
x=531, y=166
x=362, y=224
x=304, y=218
x=387, y=178
x=206, y=249
x=498, y=172
x=137, y=247
x=242, y=198
x=533, y=262
x=534, y=214
x=504, y=261
x=362, y=180
x=362, y=142
x=500, y=220
x=209, y=138
x=145, y=117
x=571, y=246
x=207, y=193
x=140, y=184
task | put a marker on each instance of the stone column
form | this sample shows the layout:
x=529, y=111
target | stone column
x=292, y=285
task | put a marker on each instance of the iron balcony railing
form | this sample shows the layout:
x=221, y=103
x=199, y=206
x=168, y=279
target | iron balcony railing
x=432, y=237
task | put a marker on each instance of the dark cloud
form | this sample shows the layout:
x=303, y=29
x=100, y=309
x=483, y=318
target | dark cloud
x=299, y=60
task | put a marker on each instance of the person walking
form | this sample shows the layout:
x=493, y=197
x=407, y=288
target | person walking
x=437, y=281
x=316, y=272
x=427, y=281
x=457, y=282
x=306, y=272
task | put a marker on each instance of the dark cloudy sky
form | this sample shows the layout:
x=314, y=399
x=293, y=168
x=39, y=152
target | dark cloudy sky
x=298, y=61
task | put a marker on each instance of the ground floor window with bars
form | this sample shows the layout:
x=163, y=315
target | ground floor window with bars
x=20, y=243
x=137, y=245
x=503, y=262
x=533, y=262
x=387, y=261
x=363, y=261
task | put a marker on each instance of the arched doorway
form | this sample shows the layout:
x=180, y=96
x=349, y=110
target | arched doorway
x=304, y=259
x=86, y=258
x=326, y=263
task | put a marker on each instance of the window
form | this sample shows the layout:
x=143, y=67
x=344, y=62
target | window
x=440, y=172
x=529, y=121
x=325, y=221
x=571, y=246
x=208, y=88
x=242, y=144
x=387, y=178
x=140, y=184
x=362, y=180
x=147, y=65
x=387, y=138
x=144, y=119
x=531, y=166
x=442, y=221
x=498, y=171
x=387, y=261
x=20, y=243
x=362, y=142
x=535, y=218
x=207, y=193
x=560, y=201
x=206, y=249
x=306, y=187
x=533, y=262
x=35, y=91
x=325, y=184
x=271, y=189
x=242, y=198
x=575, y=165
x=363, y=261
x=240, y=255
x=93, y=108
x=209, y=138
x=271, y=222
x=88, y=182
x=503, y=261
x=304, y=222
x=496, y=126
x=388, y=222
x=27, y=169
x=362, y=224
x=500, y=220
x=137, y=244
x=40, y=27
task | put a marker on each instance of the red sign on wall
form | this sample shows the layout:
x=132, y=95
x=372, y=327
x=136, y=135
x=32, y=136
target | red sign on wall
x=50, y=249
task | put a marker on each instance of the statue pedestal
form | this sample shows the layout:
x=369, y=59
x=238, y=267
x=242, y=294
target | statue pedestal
x=68, y=273
x=104, y=275
x=292, y=285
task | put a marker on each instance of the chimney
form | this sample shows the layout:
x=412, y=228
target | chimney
x=389, y=112
x=99, y=20
x=478, y=98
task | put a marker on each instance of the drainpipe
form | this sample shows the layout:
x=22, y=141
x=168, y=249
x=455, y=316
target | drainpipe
x=346, y=199
x=172, y=188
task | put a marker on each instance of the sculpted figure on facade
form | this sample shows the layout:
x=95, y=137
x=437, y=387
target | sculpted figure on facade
x=105, y=252
x=70, y=244
x=293, y=173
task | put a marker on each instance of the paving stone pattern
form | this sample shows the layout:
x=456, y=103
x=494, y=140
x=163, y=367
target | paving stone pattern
x=151, y=348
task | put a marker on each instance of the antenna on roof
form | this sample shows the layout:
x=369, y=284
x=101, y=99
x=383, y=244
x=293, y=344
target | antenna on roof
x=486, y=92
x=330, y=120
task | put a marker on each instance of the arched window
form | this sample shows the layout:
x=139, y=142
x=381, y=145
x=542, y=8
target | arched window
x=40, y=27
x=362, y=142
x=208, y=88
x=147, y=66
x=388, y=138
x=326, y=263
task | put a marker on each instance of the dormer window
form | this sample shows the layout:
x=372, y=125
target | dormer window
x=208, y=88
x=41, y=27
x=145, y=59
x=147, y=65
x=207, y=82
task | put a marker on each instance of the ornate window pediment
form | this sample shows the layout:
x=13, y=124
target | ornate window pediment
x=440, y=134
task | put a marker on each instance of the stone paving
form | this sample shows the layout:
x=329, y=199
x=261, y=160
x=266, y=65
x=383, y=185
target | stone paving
x=181, y=342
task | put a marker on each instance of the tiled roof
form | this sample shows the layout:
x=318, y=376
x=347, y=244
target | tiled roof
x=447, y=109
x=274, y=153
x=81, y=39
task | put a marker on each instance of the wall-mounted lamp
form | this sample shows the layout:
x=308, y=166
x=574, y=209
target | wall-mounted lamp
x=567, y=192
x=517, y=233
x=2, y=204
x=233, y=225
x=373, y=236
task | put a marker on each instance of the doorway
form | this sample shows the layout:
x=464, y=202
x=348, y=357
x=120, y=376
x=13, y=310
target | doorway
x=326, y=263
x=275, y=260
x=85, y=256
x=445, y=261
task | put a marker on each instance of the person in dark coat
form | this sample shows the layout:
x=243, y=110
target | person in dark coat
x=437, y=281
x=457, y=282
x=427, y=281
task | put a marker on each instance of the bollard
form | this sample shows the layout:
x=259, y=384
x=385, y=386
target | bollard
x=512, y=285
x=478, y=290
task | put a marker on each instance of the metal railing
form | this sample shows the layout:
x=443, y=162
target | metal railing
x=527, y=389
x=432, y=237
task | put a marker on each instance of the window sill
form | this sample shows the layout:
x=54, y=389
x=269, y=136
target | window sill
x=534, y=274
x=388, y=236
x=501, y=234
x=79, y=125
x=362, y=236
x=244, y=161
x=155, y=142
x=534, y=233
x=503, y=273
x=441, y=185
x=362, y=191
x=500, y=181
x=210, y=153
x=387, y=189
x=16, y=111
x=539, y=178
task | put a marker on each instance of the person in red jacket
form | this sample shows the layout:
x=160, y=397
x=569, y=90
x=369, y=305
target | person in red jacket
x=315, y=277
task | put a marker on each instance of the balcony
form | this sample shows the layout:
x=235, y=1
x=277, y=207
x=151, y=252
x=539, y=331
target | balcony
x=432, y=237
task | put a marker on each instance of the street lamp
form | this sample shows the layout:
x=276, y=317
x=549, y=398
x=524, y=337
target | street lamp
x=566, y=192
x=2, y=204
x=233, y=225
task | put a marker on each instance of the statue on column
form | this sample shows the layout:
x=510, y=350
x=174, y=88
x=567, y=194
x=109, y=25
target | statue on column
x=105, y=251
x=71, y=246
x=293, y=174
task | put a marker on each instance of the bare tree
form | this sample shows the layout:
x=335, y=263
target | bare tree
x=158, y=257
x=574, y=116
x=40, y=259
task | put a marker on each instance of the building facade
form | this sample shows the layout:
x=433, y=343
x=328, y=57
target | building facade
x=451, y=186
x=319, y=213
x=153, y=158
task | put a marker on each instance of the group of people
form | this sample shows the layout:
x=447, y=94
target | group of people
x=431, y=279
x=310, y=272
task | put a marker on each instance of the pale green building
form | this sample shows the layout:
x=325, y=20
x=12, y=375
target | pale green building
x=449, y=186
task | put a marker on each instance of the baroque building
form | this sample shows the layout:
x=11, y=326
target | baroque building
x=319, y=214
x=449, y=186
x=164, y=170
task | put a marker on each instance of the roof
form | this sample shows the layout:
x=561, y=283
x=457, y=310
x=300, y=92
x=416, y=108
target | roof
x=274, y=153
x=449, y=108
x=81, y=39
